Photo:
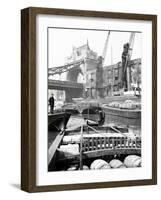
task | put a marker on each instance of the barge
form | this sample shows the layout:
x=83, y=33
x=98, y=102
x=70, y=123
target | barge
x=120, y=112
x=86, y=143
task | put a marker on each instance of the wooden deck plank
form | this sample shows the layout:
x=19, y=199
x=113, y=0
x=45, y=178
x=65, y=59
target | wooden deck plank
x=102, y=152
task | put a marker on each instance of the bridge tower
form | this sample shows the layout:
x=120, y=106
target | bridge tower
x=84, y=72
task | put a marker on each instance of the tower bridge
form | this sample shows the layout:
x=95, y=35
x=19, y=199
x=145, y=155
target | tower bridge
x=84, y=74
x=75, y=73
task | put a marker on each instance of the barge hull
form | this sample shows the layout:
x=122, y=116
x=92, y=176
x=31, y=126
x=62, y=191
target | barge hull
x=125, y=113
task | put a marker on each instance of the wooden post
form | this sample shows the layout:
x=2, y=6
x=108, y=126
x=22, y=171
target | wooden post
x=92, y=143
x=121, y=142
x=109, y=142
x=116, y=142
x=125, y=142
x=104, y=142
x=81, y=150
x=136, y=143
x=89, y=139
x=100, y=143
x=129, y=143
x=96, y=143
x=113, y=143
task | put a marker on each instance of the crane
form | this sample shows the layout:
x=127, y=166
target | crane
x=131, y=44
x=105, y=48
x=127, y=58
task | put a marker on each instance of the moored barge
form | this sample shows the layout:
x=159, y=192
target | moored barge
x=120, y=112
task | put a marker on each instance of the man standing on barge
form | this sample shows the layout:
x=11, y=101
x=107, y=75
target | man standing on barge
x=51, y=103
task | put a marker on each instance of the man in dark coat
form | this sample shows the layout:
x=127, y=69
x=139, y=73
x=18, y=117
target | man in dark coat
x=51, y=103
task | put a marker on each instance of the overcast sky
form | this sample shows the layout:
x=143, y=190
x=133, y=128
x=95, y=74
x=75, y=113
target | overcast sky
x=61, y=42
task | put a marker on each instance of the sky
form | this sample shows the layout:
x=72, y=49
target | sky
x=61, y=42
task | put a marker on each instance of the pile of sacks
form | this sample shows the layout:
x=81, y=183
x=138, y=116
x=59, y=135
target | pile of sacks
x=128, y=104
x=130, y=161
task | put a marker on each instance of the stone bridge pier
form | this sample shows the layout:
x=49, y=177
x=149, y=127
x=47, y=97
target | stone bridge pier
x=72, y=77
x=72, y=93
x=72, y=89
